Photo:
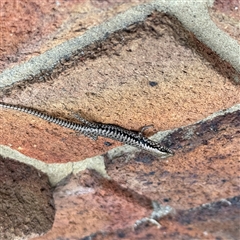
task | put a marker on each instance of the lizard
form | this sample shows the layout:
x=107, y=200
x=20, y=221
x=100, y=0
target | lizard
x=94, y=129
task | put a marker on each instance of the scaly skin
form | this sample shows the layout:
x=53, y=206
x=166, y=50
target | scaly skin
x=93, y=130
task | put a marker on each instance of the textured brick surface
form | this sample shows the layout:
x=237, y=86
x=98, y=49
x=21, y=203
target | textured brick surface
x=204, y=168
x=118, y=89
x=226, y=15
x=90, y=203
x=152, y=72
x=26, y=201
x=41, y=25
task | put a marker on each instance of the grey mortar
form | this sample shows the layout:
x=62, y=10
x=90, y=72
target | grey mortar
x=56, y=171
x=192, y=14
x=195, y=17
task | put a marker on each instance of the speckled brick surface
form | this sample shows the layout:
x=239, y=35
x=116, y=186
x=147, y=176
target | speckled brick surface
x=226, y=15
x=41, y=25
x=157, y=70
